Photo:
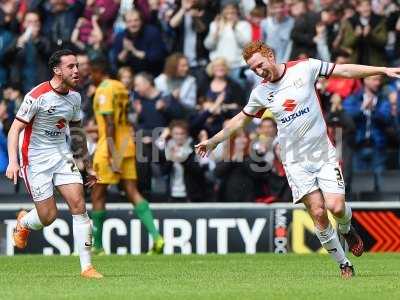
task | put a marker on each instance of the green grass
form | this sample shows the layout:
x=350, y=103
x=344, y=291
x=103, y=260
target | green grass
x=237, y=276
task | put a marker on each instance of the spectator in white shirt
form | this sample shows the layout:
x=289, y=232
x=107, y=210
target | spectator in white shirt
x=227, y=37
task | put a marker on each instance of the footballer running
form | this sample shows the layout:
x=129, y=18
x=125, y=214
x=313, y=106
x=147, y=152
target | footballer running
x=46, y=160
x=308, y=155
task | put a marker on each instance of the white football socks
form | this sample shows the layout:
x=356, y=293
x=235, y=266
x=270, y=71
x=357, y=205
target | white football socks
x=330, y=241
x=31, y=220
x=83, y=238
x=345, y=221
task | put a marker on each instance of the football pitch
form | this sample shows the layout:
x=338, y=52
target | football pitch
x=234, y=276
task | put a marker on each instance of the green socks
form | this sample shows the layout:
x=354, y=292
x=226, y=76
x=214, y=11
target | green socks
x=143, y=212
x=98, y=217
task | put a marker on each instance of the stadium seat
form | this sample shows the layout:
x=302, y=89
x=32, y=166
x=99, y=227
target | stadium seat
x=7, y=188
x=378, y=197
x=362, y=182
x=391, y=181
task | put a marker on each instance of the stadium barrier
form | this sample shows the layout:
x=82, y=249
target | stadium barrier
x=209, y=228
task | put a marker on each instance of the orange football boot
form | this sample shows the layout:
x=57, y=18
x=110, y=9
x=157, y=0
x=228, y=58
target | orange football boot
x=91, y=273
x=21, y=233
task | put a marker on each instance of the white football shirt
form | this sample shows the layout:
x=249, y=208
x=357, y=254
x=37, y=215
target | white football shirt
x=294, y=103
x=47, y=114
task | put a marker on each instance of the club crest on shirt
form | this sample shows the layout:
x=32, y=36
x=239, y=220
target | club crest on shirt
x=75, y=108
x=23, y=110
x=270, y=97
x=25, y=107
x=298, y=83
x=102, y=99
x=51, y=110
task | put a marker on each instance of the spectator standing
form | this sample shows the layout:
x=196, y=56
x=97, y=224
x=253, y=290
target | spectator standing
x=331, y=18
x=185, y=174
x=342, y=129
x=190, y=23
x=304, y=30
x=7, y=40
x=221, y=85
x=152, y=108
x=365, y=36
x=32, y=51
x=235, y=171
x=393, y=24
x=394, y=99
x=3, y=139
x=176, y=82
x=227, y=37
x=255, y=19
x=271, y=182
x=153, y=114
x=59, y=19
x=94, y=45
x=277, y=29
x=139, y=46
x=370, y=110
x=9, y=15
x=342, y=87
x=105, y=13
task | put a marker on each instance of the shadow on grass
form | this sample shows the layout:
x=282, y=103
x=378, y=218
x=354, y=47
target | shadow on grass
x=119, y=276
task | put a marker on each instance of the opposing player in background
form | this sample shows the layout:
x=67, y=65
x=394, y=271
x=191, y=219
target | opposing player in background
x=46, y=159
x=308, y=156
x=114, y=159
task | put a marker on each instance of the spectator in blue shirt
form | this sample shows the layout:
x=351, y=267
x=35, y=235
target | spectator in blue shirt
x=3, y=139
x=59, y=18
x=276, y=30
x=31, y=54
x=370, y=110
x=139, y=46
x=7, y=39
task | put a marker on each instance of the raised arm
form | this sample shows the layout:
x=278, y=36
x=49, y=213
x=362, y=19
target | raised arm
x=234, y=124
x=361, y=71
x=12, y=145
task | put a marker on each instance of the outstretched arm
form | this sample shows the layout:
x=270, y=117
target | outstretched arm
x=361, y=71
x=234, y=124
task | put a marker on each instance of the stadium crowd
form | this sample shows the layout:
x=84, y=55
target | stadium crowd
x=181, y=62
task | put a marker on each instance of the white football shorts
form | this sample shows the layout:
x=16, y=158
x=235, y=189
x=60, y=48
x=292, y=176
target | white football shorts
x=306, y=177
x=41, y=178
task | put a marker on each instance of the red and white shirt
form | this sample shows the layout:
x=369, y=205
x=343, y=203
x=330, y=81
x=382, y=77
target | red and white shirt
x=294, y=103
x=47, y=114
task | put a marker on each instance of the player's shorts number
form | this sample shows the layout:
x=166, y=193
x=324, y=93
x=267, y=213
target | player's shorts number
x=339, y=176
x=73, y=166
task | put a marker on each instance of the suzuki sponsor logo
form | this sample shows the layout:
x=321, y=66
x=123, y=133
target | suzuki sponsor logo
x=60, y=124
x=295, y=115
x=52, y=133
x=289, y=105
